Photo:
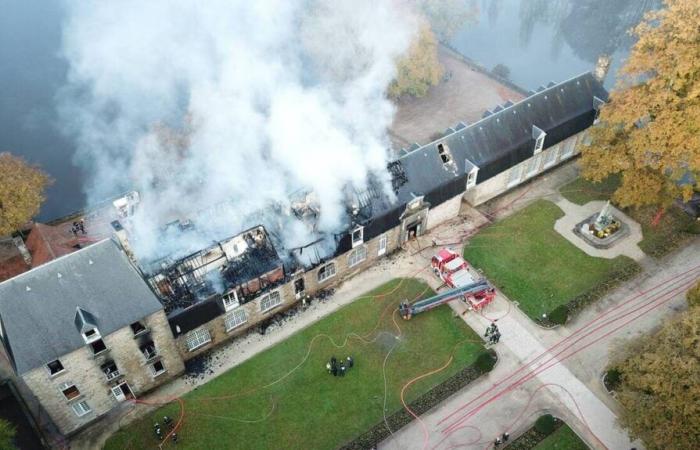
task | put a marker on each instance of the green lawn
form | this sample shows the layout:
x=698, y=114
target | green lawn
x=562, y=439
x=670, y=232
x=533, y=264
x=310, y=408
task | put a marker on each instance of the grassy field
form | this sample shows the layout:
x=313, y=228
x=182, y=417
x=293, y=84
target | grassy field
x=533, y=264
x=672, y=230
x=308, y=408
x=562, y=439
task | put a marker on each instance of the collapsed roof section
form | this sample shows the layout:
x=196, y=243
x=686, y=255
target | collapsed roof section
x=245, y=264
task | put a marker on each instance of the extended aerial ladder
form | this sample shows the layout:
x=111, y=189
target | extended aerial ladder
x=479, y=288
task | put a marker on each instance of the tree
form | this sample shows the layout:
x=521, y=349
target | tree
x=501, y=70
x=659, y=389
x=7, y=435
x=21, y=192
x=419, y=69
x=650, y=130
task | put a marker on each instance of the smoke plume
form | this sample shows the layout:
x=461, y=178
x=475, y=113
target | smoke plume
x=218, y=109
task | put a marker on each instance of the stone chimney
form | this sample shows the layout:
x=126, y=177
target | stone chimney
x=601, y=67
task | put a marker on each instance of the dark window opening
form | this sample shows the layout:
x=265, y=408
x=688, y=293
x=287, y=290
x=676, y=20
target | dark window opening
x=158, y=367
x=299, y=286
x=98, y=346
x=444, y=153
x=137, y=327
x=71, y=392
x=357, y=236
x=89, y=333
x=148, y=349
x=110, y=370
x=55, y=367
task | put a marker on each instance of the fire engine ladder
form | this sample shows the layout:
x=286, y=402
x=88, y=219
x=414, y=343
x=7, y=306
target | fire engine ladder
x=407, y=311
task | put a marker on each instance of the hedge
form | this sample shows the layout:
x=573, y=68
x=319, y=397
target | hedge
x=544, y=426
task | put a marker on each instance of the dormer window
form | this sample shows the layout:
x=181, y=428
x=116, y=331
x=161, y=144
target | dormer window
x=444, y=153
x=55, y=367
x=471, y=177
x=91, y=335
x=538, y=135
x=357, y=236
x=230, y=300
x=597, y=106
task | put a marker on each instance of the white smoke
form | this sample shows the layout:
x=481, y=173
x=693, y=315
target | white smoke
x=273, y=96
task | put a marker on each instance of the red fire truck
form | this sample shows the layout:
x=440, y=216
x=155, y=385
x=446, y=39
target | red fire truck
x=456, y=273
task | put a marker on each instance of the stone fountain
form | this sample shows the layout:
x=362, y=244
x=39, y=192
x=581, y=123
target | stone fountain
x=602, y=230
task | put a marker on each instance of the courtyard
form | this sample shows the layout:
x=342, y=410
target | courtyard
x=533, y=264
x=285, y=398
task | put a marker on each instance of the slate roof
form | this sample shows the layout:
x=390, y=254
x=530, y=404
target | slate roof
x=497, y=142
x=38, y=308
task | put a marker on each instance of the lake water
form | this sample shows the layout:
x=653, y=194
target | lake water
x=538, y=40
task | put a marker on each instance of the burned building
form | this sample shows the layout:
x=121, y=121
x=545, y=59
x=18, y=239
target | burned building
x=219, y=292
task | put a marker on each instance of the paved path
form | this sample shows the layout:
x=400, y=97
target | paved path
x=568, y=384
x=575, y=214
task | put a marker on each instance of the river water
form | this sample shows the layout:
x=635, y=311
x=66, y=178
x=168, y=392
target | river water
x=537, y=40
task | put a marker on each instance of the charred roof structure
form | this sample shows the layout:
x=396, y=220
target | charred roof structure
x=245, y=263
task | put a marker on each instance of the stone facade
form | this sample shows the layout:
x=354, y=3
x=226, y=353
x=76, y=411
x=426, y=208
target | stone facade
x=524, y=171
x=83, y=370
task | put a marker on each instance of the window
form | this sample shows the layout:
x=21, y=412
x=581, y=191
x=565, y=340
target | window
x=533, y=166
x=326, y=272
x=444, y=153
x=514, y=175
x=235, y=319
x=270, y=301
x=81, y=408
x=110, y=370
x=98, y=347
x=539, y=143
x=382, y=244
x=197, y=338
x=471, y=178
x=357, y=256
x=148, y=350
x=157, y=368
x=231, y=300
x=55, y=367
x=91, y=335
x=568, y=148
x=357, y=236
x=69, y=391
x=137, y=328
x=299, y=288
x=550, y=156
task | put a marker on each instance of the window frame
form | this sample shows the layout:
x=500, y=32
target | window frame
x=91, y=344
x=383, y=241
x=196, y=334
x=153, y=368
x=51, y=373
x=235, y=315
x=471, y=178
x=230, y=302
x=273, y=304
x=511, y=182
x=93, y=337
x=84, y=408
x=361, y=239
x=551, y=158
x=67, y=386
x=352, y=256
x=325, y=269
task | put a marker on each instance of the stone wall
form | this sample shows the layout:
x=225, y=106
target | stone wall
x=82, y=369
x=444, y=212
x=497, y=185
x=217, y=328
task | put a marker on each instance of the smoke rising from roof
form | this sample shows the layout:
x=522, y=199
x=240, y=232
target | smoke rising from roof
x=233, y=104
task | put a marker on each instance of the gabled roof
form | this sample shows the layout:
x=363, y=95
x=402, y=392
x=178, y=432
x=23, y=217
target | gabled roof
x=38, y=309
x=560, y=110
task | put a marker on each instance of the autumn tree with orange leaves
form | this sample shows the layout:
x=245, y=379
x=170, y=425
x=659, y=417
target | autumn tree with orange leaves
x=649, y=132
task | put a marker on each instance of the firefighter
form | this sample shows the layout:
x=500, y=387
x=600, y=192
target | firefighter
x=497, y=442
x=342, y=369
x=328, y=367
x=505, y=437
x=350, y=362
